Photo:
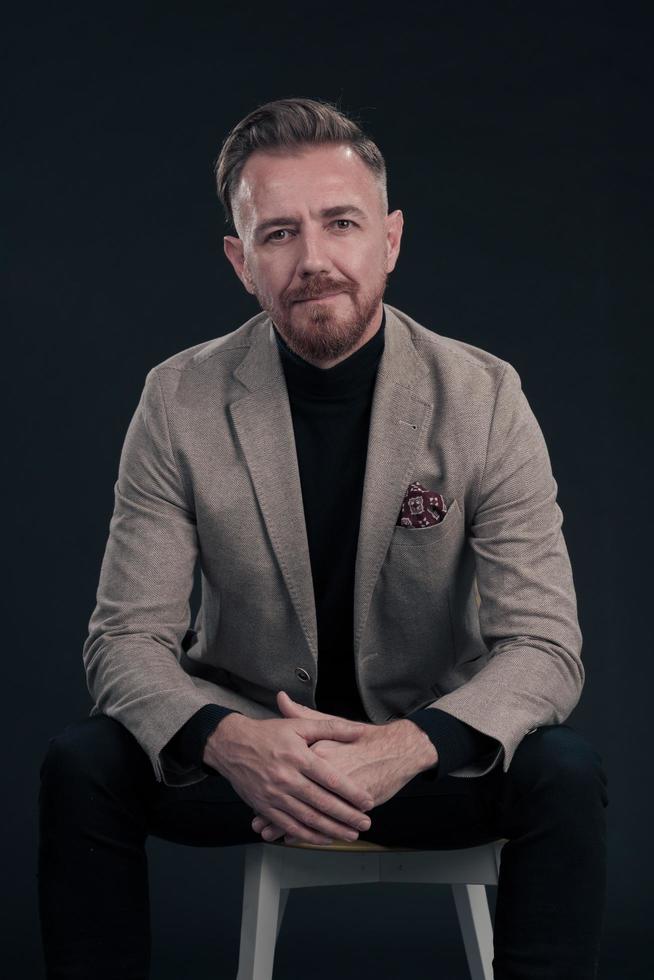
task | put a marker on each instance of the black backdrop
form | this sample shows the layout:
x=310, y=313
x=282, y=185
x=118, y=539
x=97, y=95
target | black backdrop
x=518, y=143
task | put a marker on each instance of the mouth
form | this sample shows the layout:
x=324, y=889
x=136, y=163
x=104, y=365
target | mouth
x=318, y=299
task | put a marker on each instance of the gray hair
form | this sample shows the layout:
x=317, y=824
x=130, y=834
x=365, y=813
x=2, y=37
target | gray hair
x=287, y=126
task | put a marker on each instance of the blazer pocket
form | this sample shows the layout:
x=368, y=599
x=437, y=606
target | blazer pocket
x=417, y=537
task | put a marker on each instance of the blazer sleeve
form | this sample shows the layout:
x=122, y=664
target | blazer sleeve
x=133, y=649
x=188, y=744
x=528, y=611
x=456, y=743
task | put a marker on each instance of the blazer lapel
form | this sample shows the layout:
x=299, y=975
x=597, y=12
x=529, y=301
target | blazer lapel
x=264, y=427
x=398, y=425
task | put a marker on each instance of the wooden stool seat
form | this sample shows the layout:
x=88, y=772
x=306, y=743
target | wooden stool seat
x=345, y=845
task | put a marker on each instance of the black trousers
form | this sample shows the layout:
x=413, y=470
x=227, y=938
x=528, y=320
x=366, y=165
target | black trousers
x=99, y=800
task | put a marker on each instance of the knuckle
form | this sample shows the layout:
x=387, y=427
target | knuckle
x=330, y=778
x=315, y=823
x=278, y=785
x=307, y=820
x=283, y=785
x=276, y=774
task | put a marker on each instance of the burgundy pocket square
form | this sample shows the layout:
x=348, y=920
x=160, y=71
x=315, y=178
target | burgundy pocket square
x=421, y=507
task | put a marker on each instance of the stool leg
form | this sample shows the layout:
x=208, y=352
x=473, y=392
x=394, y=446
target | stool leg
x=497, y=855
x=283, y=898
x=474, y=919
x=260, y=919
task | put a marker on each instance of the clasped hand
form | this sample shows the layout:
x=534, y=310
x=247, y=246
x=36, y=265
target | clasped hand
x=382, y=760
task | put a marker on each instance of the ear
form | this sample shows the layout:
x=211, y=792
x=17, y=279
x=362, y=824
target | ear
x=234, y=251
x=394, y=226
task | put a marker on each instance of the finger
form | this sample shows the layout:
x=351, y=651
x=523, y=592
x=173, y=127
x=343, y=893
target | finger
x=284, y=698
x=294, y=839
x=264, y=827
x=289, y=825
x=322, y=810
x=338, y=729
x=306, y=802
x=355, y=799
x=292, y=709
x=270, y=832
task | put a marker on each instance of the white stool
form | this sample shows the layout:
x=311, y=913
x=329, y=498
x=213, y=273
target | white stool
x=272, y=869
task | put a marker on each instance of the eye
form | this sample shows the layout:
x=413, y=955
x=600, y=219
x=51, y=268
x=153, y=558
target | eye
x=278, y=231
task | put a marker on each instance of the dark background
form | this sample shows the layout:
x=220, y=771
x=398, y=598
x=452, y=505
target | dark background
x=518, y=143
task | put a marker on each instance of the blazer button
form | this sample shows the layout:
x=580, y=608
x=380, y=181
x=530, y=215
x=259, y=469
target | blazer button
x=301, y=674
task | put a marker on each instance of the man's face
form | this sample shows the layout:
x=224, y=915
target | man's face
x=305, y=254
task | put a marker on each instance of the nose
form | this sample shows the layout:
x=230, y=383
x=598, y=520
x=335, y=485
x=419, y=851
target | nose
x=313, y=257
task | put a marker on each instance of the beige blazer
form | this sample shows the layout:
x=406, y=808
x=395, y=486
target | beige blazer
x=476, y=615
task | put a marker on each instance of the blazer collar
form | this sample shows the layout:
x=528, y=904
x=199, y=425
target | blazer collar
x=400, y=416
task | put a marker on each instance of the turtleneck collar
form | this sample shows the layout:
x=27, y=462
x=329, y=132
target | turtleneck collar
x=344, y=379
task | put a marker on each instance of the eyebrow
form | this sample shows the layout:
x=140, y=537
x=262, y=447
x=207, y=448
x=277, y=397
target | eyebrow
x=333, y=212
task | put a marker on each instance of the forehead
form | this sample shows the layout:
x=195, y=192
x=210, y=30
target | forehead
x=317, y=175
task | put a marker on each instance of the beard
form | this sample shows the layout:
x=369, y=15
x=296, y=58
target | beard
x=325, y=331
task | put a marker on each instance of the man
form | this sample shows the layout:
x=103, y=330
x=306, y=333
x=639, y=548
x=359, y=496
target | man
x=388, y=618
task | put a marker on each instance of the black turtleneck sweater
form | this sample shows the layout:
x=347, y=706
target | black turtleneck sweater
x=330, y=409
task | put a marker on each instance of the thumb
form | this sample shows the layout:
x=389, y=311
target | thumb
x=323, y=725
x=291, y=709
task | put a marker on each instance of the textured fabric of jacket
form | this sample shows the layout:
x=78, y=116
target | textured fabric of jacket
x=475, y=615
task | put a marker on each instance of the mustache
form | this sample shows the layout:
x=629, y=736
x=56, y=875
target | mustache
x=325, y=291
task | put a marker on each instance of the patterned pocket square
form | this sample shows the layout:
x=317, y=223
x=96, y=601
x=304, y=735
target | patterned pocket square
x=421, y=507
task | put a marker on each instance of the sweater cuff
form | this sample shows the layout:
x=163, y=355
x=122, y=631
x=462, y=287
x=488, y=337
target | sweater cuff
x=456, y=742
x=187, y=744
